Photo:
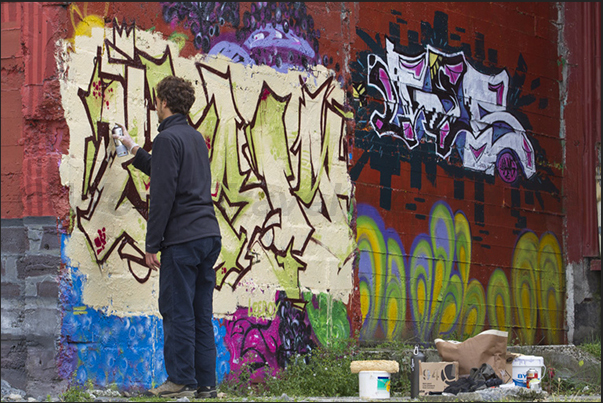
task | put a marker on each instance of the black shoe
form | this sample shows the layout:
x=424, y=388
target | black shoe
x=205, y=392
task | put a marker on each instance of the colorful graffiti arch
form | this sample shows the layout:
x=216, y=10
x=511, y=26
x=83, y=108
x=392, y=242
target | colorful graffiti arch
x=431, y=286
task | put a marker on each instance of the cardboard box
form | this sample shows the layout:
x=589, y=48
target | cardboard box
x=436, y=376
x=507, y=374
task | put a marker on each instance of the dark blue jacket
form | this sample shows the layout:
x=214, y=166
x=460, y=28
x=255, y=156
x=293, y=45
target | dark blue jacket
x=181, y=208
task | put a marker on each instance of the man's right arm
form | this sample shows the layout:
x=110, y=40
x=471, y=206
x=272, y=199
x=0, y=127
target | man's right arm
x=142, y=160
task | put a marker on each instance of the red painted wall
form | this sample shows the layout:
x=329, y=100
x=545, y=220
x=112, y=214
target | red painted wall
x=13, y=78
x=534, y=40
x=34, y=135
x=583, y=128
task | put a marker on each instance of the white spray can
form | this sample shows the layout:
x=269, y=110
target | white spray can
x=120, y=149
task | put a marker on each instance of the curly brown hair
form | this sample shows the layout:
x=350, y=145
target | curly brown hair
x=177, y=92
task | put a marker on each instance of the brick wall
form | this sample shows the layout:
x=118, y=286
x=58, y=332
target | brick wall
x=31, y=260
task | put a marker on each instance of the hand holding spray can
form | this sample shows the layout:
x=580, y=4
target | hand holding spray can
x=120, y=149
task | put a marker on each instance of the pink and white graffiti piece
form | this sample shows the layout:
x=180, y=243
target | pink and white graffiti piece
x=441, y=98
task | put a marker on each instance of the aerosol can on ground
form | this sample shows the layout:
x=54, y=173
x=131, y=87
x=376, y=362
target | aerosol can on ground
x=416, y=359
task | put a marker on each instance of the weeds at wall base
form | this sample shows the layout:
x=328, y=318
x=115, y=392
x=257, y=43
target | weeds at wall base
x=333, y=362
x=592, y=347
x=304, y=375
x=76, y=394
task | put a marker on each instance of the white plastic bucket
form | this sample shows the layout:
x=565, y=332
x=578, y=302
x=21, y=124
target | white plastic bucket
x=522, y=364
x=374, y=384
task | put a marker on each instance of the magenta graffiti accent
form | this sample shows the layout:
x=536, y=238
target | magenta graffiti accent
x=385, y=80
x=444, y=132
x=408, y=131
x=478, y=152
x=251, y=341
x=499, y=89
x=268, y=343
x=528, y=151
x=454, y=72
x=507, y=167
x=416, y=68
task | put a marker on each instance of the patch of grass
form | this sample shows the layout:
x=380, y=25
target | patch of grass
x=401, y=352
x=584, y=382
x=76, y=393
x=238, y=382
x=568, y=387
x=324, y=372
x=592, y=347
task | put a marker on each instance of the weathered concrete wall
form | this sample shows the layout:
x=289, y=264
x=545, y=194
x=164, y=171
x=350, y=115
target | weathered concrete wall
x=393, y=170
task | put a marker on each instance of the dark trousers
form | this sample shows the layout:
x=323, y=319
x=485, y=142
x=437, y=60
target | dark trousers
x=186, y=287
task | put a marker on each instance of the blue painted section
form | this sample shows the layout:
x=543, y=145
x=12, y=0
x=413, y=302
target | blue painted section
x=223, y=355
x=110, y=350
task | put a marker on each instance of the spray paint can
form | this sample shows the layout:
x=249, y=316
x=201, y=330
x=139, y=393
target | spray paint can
x=415, y=371
x=120, y=149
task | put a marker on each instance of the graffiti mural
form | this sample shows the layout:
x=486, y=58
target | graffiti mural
x=447, y=109
x=393, y=183
x=382, y=276
x=432, y=286
x=108, y=349
x=538, y=284
x=277, y=34
x=451, y=173
x=281, y=191
x=442, y=99
x=270, y=342
x=311, y=159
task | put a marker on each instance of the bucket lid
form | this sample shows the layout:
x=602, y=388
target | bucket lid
x=377, y=373
x=527, y=360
